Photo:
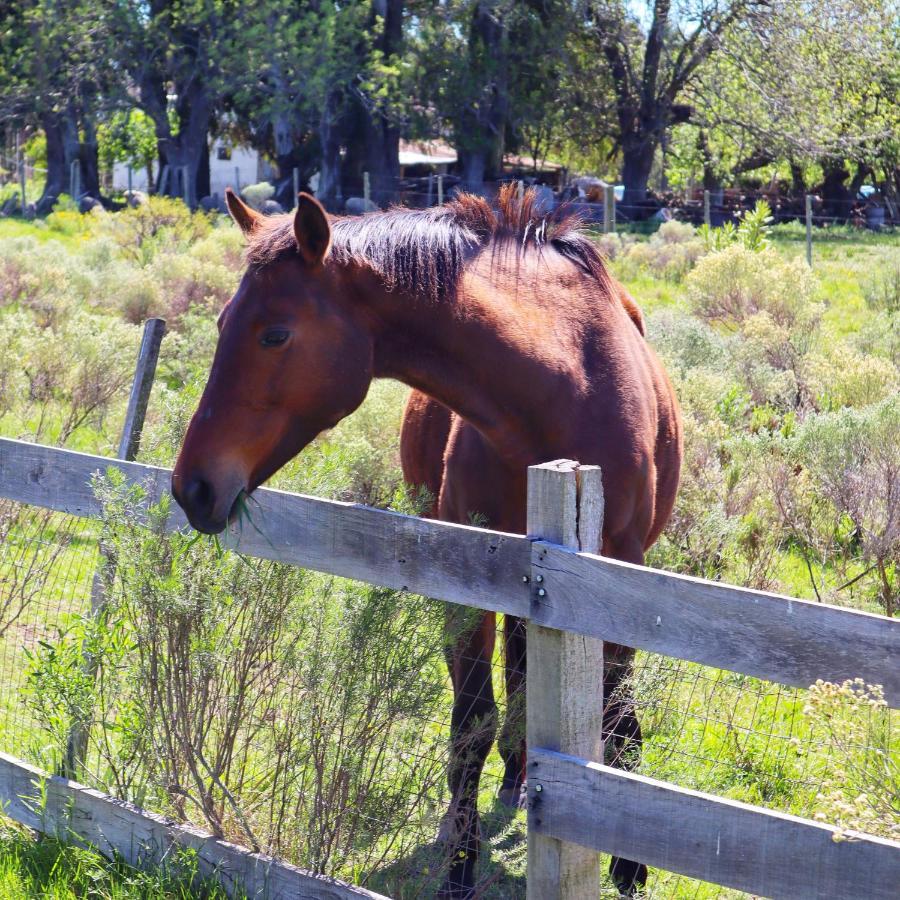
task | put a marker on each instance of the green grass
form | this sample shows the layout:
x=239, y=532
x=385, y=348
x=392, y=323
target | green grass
x=704, y=729
x=43, y=868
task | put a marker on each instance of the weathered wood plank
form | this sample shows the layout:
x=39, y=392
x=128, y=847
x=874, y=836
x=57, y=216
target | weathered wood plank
x=73, y=812
x=142, y=385
x=464, y=565
x=565, y=671
x=790, y=641
x=775, y=638
x=720, y=841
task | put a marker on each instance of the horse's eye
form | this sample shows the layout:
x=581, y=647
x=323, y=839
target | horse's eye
x=275, y=337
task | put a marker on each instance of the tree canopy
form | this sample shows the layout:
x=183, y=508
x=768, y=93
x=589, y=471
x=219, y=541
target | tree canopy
x=639, y=91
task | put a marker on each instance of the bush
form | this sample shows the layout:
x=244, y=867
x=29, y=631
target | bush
x=257, y=194
x=736, y=283
x=882, y=290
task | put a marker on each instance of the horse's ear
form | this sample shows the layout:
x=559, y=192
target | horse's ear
x=311, y=229
x=245, y=218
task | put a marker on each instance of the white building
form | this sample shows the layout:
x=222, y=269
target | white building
x=233, y=167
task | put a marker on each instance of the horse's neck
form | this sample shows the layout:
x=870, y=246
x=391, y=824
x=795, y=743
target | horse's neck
x=473, y=354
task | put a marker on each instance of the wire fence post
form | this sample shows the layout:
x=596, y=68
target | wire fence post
x=237, y=179
x=186, y=185
x=707, y=218
x=296, y=177
x=520, y=190
x=366, y=191
x=565, y=673
x=129, y=444
x=21, y=168
x=809, y=230
x=440, y=190
x=609, y=208
x=130, y=191
x=430, y=196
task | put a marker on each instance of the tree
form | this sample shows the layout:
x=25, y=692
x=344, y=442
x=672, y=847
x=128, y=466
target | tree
x=55, y=70
x=654, y=53
x=180, y=57
x=813, y=80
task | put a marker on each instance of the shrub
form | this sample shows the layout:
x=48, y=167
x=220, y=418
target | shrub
x=670, y=253
x=186, y=282
x=841, y=376
x=286, y=710
x=861, y=781
x=162, y=222
x=852, y=460
x=257, y=194
x=736, y=283
x=882, y=289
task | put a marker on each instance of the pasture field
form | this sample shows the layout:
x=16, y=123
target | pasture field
x=322, y=705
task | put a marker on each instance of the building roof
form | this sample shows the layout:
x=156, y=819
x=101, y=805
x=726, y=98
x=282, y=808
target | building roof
x=426, y=153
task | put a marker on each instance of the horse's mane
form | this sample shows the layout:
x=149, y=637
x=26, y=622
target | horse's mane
x=426, y=250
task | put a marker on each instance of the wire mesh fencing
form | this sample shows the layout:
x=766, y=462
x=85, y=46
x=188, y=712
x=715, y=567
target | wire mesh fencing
x=308, y=716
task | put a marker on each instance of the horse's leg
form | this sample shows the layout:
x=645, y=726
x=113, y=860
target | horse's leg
x=621, y=729
x=512, y=737
x=473, y=726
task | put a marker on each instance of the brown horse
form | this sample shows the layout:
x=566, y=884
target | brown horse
x=520, y=347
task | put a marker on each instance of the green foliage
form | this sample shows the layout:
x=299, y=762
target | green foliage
x=128, y=136
x=49, y=867
x=752, y=231
x=736, y=283
x=257, y=194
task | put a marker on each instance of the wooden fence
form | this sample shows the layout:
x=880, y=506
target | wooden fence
x=574, y=600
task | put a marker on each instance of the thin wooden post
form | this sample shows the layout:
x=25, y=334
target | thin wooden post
x=440, y=190
x=609, y=209
x=296, y=176
x=21, y=167
x=707, y=218
x=809, y=230
x=565, y=672
x=145, y=371
x=430, y=189
x=129, y=443
x=366, y=191
x=237, y=179
x=130, y=182
x=520, y=190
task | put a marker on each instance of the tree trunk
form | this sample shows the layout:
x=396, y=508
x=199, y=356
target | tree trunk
x=382, y=134
x=482, y=128
x=329, y=190
x=57, y=176
x=638, y=151
x=836, y=199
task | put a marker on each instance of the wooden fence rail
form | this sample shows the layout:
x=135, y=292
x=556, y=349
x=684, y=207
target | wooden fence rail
x=68, y=810
x=574, y=601
x=789, y=641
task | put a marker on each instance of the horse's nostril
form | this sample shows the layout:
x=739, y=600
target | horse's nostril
x=198, y=494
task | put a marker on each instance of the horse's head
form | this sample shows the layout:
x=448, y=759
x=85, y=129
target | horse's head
x=291, y=361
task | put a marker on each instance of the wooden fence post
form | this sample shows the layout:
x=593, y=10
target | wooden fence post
x=707, y=217
x=20, y=160
x=130, y=441
x=565, y=673
x=809, y=230
x=296, y=176
x=366, y=192
x=609, y=209
x=440, y=190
